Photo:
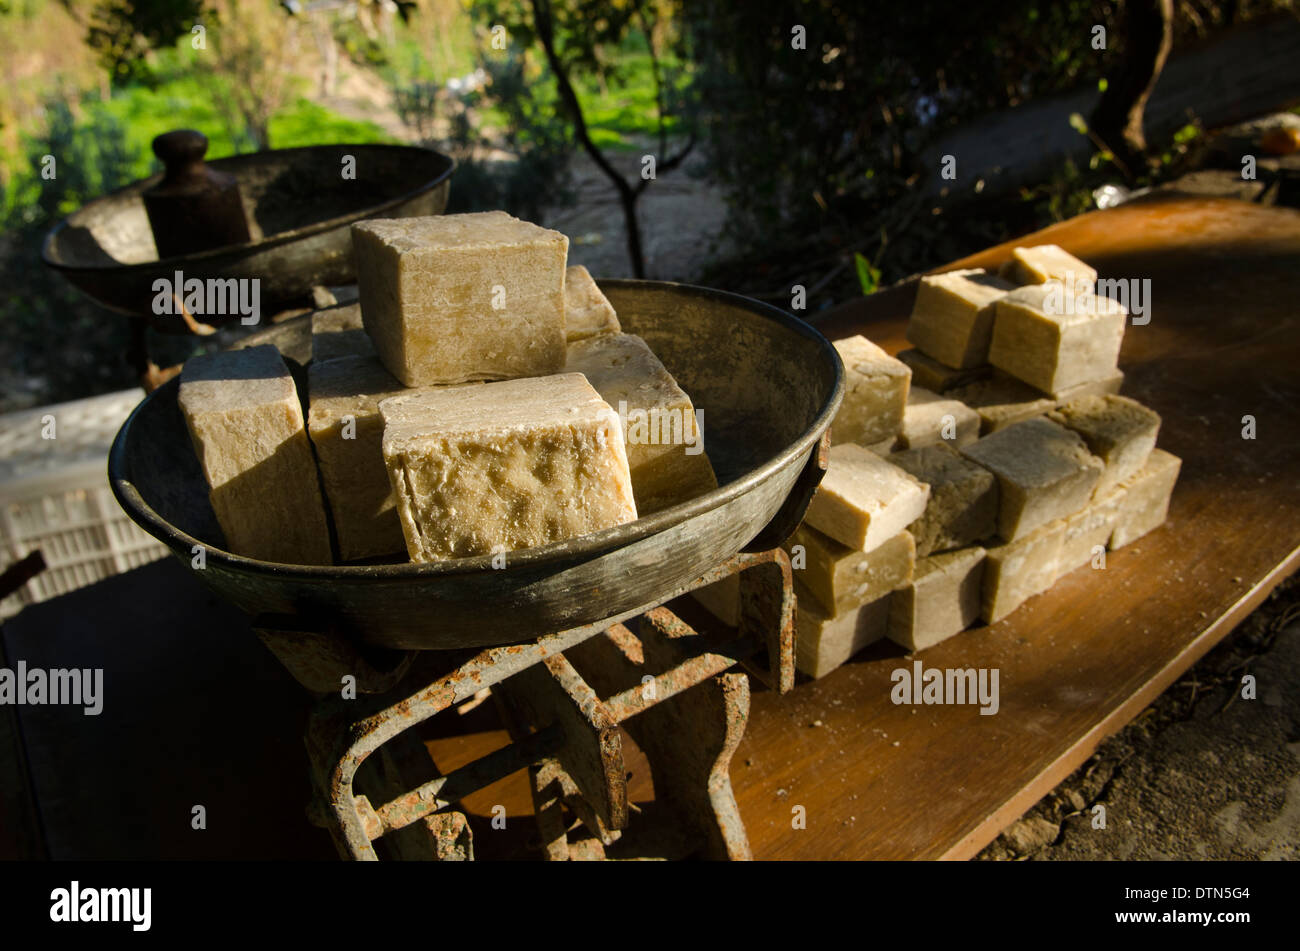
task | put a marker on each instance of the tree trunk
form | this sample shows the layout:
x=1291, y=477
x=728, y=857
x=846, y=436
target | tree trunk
x=1117, y=119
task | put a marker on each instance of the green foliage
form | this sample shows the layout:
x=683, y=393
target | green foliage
x=868, y=276
x=122, y=32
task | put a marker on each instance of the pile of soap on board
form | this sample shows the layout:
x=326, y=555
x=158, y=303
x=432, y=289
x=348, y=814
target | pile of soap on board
x=465, y=406
x=975, y=470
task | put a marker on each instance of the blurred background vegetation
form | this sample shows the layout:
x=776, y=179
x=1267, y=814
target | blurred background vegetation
x=818, y=151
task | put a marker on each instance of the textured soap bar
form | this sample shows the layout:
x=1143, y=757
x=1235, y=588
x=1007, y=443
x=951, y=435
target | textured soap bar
x=1146, y=498
x=952, y=319
x=933, y=375
x=243, y=414
x=347, y=430
x=1002, y=401
x=1044, y=471
x=587, y=311
x=864, y=500
x=1054, y=340
x=1120, y=431
x=1100, y=387
x=875, y=393
x=1089, y=529
x=931, y=419
x=453, y=298
x=505, y=466
x=1016, y=571
x=841, y=578
x=1048, y=262
x=824, y=642
x=662, y=431
x=942, y=600
x=337, y=332
x=963, y=506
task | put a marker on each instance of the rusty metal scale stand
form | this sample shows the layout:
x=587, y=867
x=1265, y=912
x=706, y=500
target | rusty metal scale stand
x=564, y=698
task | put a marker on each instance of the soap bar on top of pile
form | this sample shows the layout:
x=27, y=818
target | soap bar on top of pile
x=662, y=431
x=963, y=506
x=1049, y=262
x=1018, y=570
x=347, y=430
x=933, y=375
x=1146, y=498
x=454, y=298
x=1044, y=471
x=338, y=332
x=242, y=411
x=875, y=393
x=824, y=641
x=864, y=500
x=931, y=419
x=842, y=578
x=1120, y=431
x=495, y=468
x=952, y=319
x=942, y=600
x=587, y=311
x=1054, y=340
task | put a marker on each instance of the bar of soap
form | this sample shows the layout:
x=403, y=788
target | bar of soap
x=1120, y=431
x=1090, y=528
x=1018, y=570
x=1146, y=498
x=663, y=432
x=338, y=332
x=587, y=311
x=963, y=506
x=841, y=578
x=485, y=469
x=454, y=298
x=1002, y=401
x=824, y=641
x=1044, y=472
x=347, y=430
x=242, y=411
x=1048, y=262
x=952, y=319
x=864, y=500
x=1099, y=387
x=875, y=393
x=931, y=419
x=1054, y=340
x=933, y=375
x=942, y=600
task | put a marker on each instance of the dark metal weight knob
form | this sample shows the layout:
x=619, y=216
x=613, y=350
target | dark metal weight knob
x=194, y=208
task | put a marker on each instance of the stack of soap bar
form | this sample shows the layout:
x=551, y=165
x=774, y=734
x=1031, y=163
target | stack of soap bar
x=952, y=319
x=842, y=578
x=875, y=393
x=505, y=466
x=1018, y=570
x=934, y=376
x=242, y=411
x=1044, y=472
x=347, y=430
x=824, y=641
x=930, y=419
x=1002, y=401
x=1090, y=529
x=338, y=332
x=942, y=600
x=662, y=430
x=864, y=500
x=1146, y=498
x=1120, y=431
x=1048, y=262
x=587, y=311
x=1055, y=340
x=453, y=298
x=963, y=505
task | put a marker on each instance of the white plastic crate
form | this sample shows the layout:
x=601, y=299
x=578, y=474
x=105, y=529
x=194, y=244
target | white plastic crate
x=54, y=496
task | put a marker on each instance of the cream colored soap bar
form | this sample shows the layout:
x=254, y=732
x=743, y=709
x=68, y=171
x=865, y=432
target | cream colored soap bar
x=1146, y=498
x=1088, y=532
x=484, y=469
x=587, y=311
x=875, y=393
x=1002, y=401
x=1044, y=471
x=963, y=506
x=942, y=600
x=1120, y=431
x=864, y=500
x=242, y=411
x=347, y=430
x=1018, y=570
x=663, y=433
x=338, y=332
x=453, y=298
x=952, y=319
x=933, y=375
x=841, y=578
x=1100, y=387
x=824, y=641
x=1048, y=262
x=1054, y=340
x=930, y=419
